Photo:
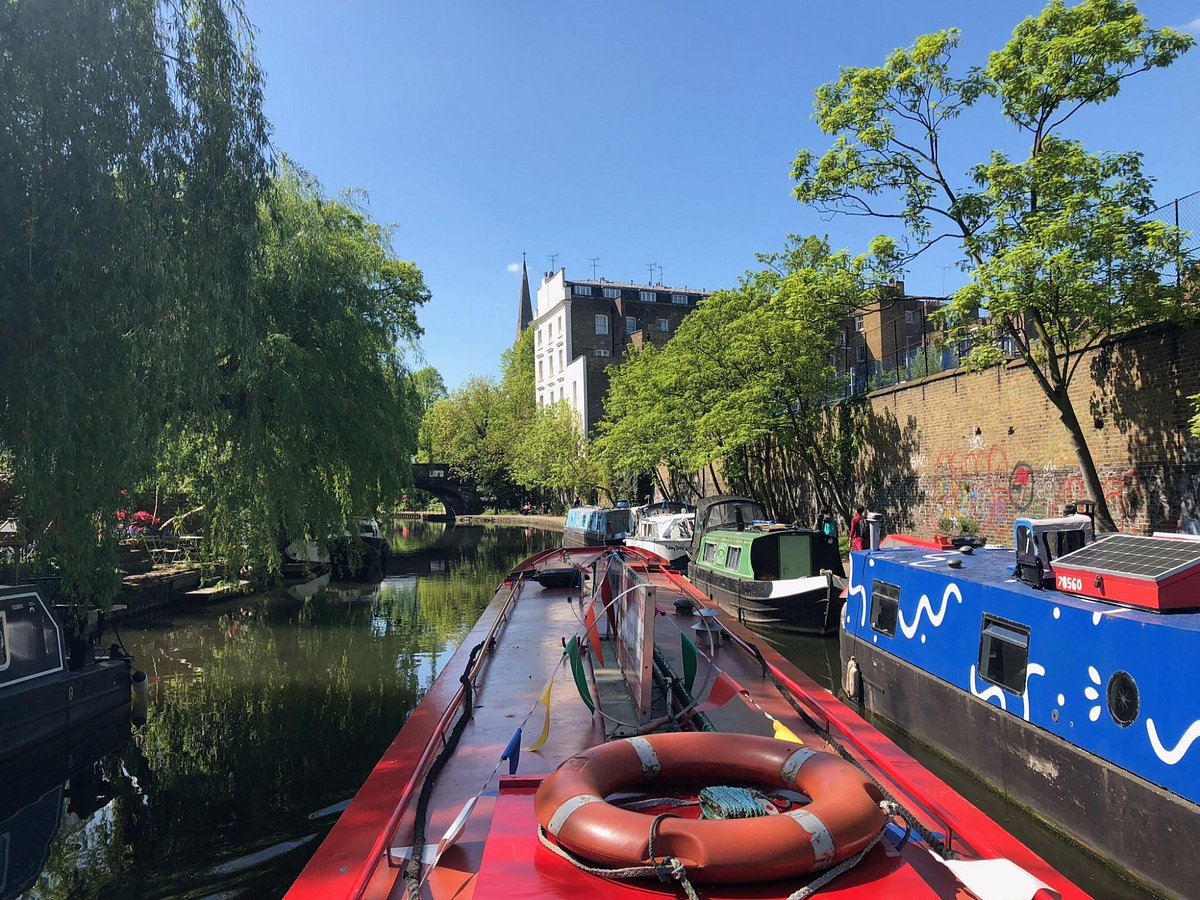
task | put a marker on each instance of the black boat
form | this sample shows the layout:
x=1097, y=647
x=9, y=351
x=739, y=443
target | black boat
x=48, y=683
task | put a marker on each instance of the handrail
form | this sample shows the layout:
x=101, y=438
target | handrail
x=382, y=845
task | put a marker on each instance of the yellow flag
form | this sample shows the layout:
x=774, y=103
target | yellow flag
x=545, y=701
x=783, y=733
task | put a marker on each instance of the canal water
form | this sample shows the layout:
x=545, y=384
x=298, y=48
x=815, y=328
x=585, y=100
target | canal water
x=267, y=712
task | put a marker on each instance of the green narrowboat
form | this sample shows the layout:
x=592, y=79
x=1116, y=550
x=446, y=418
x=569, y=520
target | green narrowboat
x=770, y=576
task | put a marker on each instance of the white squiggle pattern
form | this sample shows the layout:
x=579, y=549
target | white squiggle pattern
x=989, y=693
x=857, y=590
x=1176, y=753
x=923, y=605
x=1031, y=670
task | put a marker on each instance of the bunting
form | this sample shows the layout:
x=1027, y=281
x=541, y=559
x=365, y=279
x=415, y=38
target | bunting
x=572, y=652
x=545, y=701
x=593, y=633
x=689, y=661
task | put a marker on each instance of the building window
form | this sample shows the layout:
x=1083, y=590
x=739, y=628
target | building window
x=612, y=293
x=908, y=317
x=550, y=365
x=647, y=296
x=681, y=299
x=862, y=353
x=1004, y=654
x=630, y=324
x=600, y=351
x=885, y=605
x=663, y=325
x=845, y=338
x=581, y=290
x=858, y=323
x=541, y=375
x=561, y=329
x=561, y=361
x=601, y=323
x=538, y=334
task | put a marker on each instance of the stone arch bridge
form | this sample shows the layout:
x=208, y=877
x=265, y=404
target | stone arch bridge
x=459, y=496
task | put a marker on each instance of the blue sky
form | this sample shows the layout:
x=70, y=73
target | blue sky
x=630, y=131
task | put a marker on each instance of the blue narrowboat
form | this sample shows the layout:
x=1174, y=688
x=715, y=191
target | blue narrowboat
x=1064, y=673
x=595, y=526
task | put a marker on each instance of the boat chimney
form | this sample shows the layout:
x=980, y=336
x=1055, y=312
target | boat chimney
x=737, y=517
x=875, y=524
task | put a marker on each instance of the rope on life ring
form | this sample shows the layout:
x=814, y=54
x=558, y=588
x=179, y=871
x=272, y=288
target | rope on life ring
x=843, y=819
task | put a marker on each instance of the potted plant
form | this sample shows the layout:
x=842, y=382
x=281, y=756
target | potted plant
x=961, y=531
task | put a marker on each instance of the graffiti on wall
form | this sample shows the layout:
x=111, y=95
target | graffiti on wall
x=984, y=485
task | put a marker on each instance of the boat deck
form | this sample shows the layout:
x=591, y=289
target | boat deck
x=497, y=853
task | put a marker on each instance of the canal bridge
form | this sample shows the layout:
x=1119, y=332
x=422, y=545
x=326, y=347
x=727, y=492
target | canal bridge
x=458, y=495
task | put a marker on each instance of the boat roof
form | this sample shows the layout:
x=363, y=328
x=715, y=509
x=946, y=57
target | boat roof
x=492, y=848
x=993, y=567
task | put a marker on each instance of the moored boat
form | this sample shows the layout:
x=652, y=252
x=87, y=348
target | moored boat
x=49, y=683
x=1058, y=671
x=591, y=737
x=597, y=526
x=667, y=534
x=768, y=575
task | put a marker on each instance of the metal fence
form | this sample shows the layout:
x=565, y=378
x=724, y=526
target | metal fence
x=930, y=357
x=1184, y=214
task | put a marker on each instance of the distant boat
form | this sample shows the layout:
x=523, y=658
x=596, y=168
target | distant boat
x=50, y=681
x=597, y=526
x=1063, y=672
x=768, y=575
x=667, y=534
x=590, y=740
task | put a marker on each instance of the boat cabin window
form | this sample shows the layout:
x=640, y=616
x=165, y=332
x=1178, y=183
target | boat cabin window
x=710, y=550
x=885, y=604
x=733, y=558
x=1025, y=540
x=3, y=642
x=1004, y=653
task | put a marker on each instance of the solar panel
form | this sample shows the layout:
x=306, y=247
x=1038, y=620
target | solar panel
x=1135, y=556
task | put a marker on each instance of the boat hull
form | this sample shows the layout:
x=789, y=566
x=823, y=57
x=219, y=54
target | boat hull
x=43, y=707
x=575, y=537
x=814, y=609
x=675, y=552
x=1112, y=812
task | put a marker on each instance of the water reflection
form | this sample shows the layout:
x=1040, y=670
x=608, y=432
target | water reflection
x=266, y=714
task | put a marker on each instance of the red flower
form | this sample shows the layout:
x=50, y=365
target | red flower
x=120, y=515
x=124, y=493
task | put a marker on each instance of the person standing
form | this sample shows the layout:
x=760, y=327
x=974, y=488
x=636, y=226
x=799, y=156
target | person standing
x=858, y=529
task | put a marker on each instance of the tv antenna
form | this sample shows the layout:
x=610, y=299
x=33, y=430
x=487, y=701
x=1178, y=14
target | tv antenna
x=595, y=260
x=553, y=257
x=944, y=269
x=651, y=267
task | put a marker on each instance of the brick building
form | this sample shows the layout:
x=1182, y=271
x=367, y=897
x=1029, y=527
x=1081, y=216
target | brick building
x=582, y=328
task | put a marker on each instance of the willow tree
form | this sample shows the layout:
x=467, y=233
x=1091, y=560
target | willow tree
x=131, y=163
x=1054, y=239
x=316, y=419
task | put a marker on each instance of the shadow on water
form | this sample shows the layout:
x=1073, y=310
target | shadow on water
x=267, y=713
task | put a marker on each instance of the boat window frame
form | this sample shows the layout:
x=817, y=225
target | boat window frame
x=732, y=562
x=1012, y=635
x=5, y=656
x=709, y=553
x=877, y=608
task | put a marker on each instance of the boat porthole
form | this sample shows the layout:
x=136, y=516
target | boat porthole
x=71, y=694
x=1122, y=699
x=1054, y=714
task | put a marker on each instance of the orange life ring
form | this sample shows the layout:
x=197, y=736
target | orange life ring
x=843, y=817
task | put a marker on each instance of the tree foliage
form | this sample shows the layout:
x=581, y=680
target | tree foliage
x=175, y=317
x=131, y=161
x=1054, y=240
x=316, y=420
x=744, y=387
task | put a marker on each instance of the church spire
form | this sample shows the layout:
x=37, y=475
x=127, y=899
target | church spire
x=525, y=314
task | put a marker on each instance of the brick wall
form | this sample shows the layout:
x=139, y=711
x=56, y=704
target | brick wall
x=990, y=446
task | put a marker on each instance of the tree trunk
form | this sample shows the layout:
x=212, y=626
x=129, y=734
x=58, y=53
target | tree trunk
x=1087, y=465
